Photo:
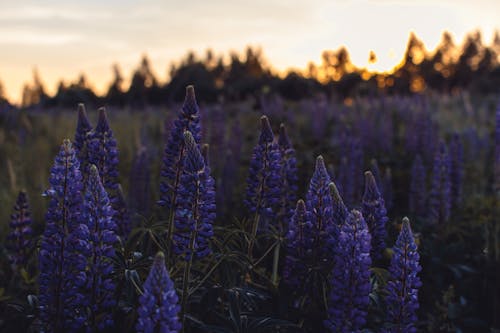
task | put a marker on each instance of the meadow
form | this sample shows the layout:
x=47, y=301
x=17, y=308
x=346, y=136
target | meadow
x=247, y=234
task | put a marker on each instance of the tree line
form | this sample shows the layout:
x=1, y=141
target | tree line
x=471, y=66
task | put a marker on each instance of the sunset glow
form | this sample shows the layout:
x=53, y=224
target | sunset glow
x=63, y=39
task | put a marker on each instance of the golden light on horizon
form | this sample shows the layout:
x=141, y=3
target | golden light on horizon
x=63, y=40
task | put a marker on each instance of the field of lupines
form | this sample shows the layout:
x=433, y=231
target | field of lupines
x=377, y=215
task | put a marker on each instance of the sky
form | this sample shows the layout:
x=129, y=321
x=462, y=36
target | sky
x=64, y=38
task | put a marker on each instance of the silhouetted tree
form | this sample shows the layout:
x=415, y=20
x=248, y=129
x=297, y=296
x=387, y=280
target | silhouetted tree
x=116, y=94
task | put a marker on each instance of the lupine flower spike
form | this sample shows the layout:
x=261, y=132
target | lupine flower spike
x=299, y=246
x=195, y=211
x=82, y=137
x=350, y=282
x=158, y=304
x=375, y=215
x=97, y=215
x=172, y=167
x=339, y=214
x=19, y=239
x=319, y=203
x=264, y=180
x=403, y=284
x=64, y=248
x=288, y=176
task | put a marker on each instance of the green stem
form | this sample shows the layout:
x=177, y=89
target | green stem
x=253, y=236
x=276, y=259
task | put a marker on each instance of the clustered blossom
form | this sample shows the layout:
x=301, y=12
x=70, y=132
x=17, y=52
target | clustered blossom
x=288, y=175
x=339, y=213
x=319, y=205
x=264, y=179
x=403, y=284
x=375, y=215
x=349, y=297
x=19, y=239
x=195, y=210
x=97, y=214
x=440, y=195
x=298, y=245
x=418, y=192
x=139, y=190
x=103, y=153
x=188, y=119
x=158, y=305
x=63, y=248
x=82, y=137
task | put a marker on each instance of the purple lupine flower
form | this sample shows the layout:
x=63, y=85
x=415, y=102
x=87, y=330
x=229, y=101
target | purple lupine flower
x=97, y=214
x=349, y=297
x=418, y=192
x=139, y=190
x=456, y=170
x=63, y=249
x=375, y=215
x=264, y=178
x=351, y=168
x=18, y=241
x=440, y=195
x=173, y=154
x=122, y=214
x=319, y=203
x=339, y=209
x=82, y=137
x=103, y=153
x=195, y=211
x=158, y=305
x=288, y=175
x=403, y=284
x=299, y=246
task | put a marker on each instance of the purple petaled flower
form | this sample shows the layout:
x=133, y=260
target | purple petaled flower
x=299, y=245
x=188, y=119
x=63, y=249
x=418, y=192
x=82, y=137
x=97, y=214
x=440, y=195
x=403, y=284
x=122, y=214
x=456, y=170
x=319, y=205
x=158, y=305
x=18, y=241
x=288, y=176
x=103, y=153
x=195, y=210
x=349, y=297
x=139, y=189
x=264, y=178
x=375, y=215
x=339, y=214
